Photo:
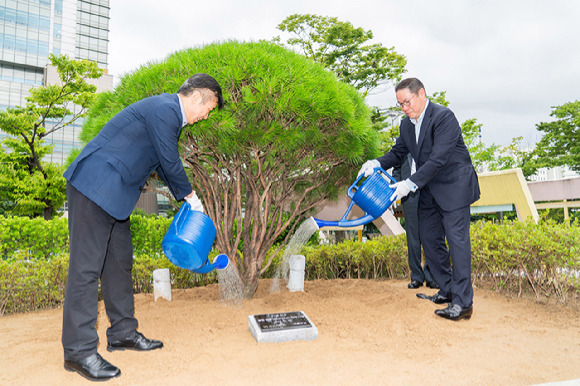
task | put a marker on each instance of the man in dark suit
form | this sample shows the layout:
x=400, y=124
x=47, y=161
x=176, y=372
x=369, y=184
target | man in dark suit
x=411, y=213
x=103, y=186
x=448, y=184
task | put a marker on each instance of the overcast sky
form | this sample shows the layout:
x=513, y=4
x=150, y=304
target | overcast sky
x=505, y=63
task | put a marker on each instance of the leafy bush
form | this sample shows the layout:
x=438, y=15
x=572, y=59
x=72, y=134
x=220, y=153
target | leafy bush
x=519, y=257
x=147, y=233
x=36, y=238
x=29, y=284
x=143, y=267
x=541, y=260
x=382, y=257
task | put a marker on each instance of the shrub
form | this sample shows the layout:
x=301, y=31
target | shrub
x=35, y=238
x=38, y=238
x=519, y=257
x=30, y=284
x=541, y=260
x=147, y=233
x=382, y=257
x=143, y=267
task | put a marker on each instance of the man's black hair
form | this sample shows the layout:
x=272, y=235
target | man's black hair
x=413, y=84
x=203, y=82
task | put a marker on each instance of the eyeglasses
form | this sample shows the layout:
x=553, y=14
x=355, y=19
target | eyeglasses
x=406, y=103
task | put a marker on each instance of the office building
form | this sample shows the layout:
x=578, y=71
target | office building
x=32, y=29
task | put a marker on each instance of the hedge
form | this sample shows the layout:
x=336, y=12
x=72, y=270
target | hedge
x=32, y=284
x=522, y=259
x=379, y=258
x=37, y=238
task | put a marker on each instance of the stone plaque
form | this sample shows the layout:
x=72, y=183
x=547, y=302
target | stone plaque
x=283, y=321
x=282, y=327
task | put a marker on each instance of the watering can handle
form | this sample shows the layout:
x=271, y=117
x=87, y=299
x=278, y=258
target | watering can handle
x=354, y=187
x=347, y=211
x=181, y=215
x=389, y=176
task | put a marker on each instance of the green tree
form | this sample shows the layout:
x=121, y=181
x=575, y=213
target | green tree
x=288, y=138
x=493, y=157
x=560, y=144
x=28, y=185
x=344, y=49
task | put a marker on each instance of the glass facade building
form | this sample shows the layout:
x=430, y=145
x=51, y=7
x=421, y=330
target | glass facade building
x=29, y=31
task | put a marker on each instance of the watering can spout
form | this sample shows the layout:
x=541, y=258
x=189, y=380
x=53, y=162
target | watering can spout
x=345, y=223
x=220, y=262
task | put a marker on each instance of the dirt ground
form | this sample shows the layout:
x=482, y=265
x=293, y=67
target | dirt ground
x=370, y=333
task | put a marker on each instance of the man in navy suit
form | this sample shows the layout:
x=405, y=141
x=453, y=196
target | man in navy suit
x=411, y=213
x=103, y=186
x=448, y=183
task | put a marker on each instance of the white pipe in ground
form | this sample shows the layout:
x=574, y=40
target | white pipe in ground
x=296, y=275
x=162, y=284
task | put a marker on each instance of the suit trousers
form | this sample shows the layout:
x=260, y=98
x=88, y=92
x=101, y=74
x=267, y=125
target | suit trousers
x=411, y=209
x=437, y=225
x=100, y=247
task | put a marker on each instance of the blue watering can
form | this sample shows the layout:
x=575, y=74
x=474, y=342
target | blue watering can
x=189, y=239
x=373, y=195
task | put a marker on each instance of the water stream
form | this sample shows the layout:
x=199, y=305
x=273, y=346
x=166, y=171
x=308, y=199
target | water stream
x=230, y=285
x=294, y=247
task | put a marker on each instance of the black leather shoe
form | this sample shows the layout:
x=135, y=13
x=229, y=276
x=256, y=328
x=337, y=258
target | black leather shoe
x=137, y=342
x=415, y=284
x=432, y=284
x=455, y=312
x=94, y=368
x=437, y=298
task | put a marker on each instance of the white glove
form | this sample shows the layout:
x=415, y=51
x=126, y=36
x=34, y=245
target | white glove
x=402, y=189
x=369, y=167
x=194, y=202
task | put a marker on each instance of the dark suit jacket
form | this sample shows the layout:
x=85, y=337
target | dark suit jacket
x=403, y=171
x=443, y=161
x=113, y=167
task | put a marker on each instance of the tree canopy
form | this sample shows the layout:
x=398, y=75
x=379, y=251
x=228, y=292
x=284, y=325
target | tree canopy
x=560, y=144
x=344, y=49
x=290, y=135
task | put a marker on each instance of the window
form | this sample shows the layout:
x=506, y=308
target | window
x=57, y=6
x=57, y=31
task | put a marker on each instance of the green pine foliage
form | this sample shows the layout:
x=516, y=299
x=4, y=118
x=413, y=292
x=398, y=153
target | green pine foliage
x=273, y=96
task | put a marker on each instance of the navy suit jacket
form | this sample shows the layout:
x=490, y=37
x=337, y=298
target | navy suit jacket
x=114, y=166
x=442, y=159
